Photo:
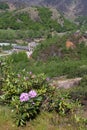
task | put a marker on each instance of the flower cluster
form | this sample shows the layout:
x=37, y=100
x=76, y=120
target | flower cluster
x=32, y=94
x=26, y=96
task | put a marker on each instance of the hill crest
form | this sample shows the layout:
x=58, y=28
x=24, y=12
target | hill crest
x=71, y=8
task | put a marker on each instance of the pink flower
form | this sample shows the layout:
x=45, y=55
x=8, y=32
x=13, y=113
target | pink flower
x=24, y=97
x=47, y=79
x=32, y=94
x=30, y=73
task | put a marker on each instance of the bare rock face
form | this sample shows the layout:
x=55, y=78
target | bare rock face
x=70, y=8
x=66, y=83
x=33, y=13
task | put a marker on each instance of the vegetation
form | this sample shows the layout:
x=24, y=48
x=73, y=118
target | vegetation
x=53, y=58
x=29, y=95
x=80, y=92
x=4, y=6
x=9, y=47
x=12, y=35
x=25, y=90
x=46, y=121
x=22, y=20
x=82, y=22
x=19, y=24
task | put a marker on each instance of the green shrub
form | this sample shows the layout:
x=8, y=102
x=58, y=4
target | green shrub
x=17, y=57
x=16, y=87
x=28, y=94
x=26, y=110
x=9, y=47
x=4, y=5
x=22, y=21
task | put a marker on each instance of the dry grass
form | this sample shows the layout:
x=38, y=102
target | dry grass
x=45, y=121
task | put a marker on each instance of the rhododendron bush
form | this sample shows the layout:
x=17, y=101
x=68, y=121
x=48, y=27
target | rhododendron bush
x=25, y=93
x=26, y=106
x=29, y=94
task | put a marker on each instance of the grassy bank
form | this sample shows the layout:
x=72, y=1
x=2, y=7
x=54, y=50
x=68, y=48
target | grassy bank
x=45, y=121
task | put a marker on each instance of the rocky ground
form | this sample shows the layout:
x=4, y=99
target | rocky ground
x=65, y=83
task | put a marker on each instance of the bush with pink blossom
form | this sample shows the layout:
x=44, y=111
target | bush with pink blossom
x=25, y=92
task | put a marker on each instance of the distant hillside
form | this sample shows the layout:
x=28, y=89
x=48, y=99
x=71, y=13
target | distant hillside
x=72, y=46
x=35, y=18
x=71, y=8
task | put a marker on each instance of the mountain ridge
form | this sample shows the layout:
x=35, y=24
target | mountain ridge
x=71, y=8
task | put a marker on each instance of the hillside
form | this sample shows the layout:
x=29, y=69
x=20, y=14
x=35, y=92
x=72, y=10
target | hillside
x=40, y=16
x=71, y=8
x=32, y=22
x=43, y=65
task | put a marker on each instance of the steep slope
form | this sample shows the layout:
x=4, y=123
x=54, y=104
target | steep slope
x=71, y=8
x=35, y=18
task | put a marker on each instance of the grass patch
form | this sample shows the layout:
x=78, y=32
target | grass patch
x=53, y=68
x=45, y=121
